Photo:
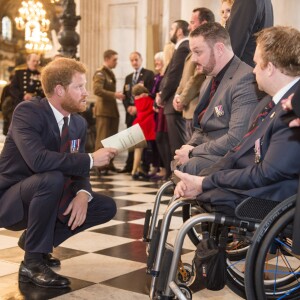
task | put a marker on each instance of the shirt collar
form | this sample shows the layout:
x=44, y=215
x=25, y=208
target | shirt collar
x=278, y=96
x=58, y=116
x=180, y=42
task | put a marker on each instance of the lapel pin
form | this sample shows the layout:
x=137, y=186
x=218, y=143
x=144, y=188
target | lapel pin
x=272, y=115
x=219, y=111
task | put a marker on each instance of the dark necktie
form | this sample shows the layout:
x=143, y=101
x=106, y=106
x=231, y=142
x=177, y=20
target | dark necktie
x=213, y=88
x=67, y=193
x=135, y=78
x=257, y=121
x=64, y=138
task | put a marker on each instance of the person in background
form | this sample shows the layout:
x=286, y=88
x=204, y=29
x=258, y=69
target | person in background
x=26, y=81
x=141, y=76
x=187, y=93
x=7, y=106
x=145, y=118
x=176, y=124
x=246, y=19
x=292, y=103
x=44, y=173
x=106, y=109
x=225, y=11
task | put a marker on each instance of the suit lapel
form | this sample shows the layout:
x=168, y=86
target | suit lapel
x=217, y=98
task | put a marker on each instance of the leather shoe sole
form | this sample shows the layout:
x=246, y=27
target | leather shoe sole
x=49, y=260
x=41, y=275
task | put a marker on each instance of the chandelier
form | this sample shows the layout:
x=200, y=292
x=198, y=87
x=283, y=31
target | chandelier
x=32, y=19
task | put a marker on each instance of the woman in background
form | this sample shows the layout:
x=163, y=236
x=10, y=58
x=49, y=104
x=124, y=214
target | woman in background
x=225, y=10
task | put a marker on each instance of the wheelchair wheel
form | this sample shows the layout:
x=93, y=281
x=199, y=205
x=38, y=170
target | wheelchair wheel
x=272, y=271
x=189, y=276
x=237, y=247
x=185, y=291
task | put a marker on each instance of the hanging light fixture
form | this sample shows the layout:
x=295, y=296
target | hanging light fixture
x=32, y=19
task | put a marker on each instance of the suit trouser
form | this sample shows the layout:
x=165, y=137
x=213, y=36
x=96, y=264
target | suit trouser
x=176, y=131
x=105, y=127
x=41, y=195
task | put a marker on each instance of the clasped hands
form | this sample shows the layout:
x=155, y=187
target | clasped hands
x=182, y=154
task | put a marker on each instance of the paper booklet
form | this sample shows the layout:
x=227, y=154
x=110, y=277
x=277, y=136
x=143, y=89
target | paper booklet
x=128, y=139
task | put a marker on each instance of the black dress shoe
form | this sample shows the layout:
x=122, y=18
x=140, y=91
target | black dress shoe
x=49, y=260
x=41, y=275
x=125, y=170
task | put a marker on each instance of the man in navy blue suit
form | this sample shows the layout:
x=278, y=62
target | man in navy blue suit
x=266, y=163
x=44, y=172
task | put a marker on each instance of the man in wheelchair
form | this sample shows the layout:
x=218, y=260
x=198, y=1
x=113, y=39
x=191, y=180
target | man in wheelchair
x=266, y=163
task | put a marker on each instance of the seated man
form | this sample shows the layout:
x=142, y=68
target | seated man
x=266, y=163
x=227, y=98
x=44, y=188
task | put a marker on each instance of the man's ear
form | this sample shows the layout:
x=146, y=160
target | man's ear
x=59, y=90
x=219, y=48
x=270, y=68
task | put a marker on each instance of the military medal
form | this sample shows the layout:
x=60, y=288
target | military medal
x=74, y=146
x=219, y=111
x=257, y=151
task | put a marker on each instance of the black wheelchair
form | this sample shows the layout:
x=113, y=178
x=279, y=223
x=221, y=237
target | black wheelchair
x=171, y=278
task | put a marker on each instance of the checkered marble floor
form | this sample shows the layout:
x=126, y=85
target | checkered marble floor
x=104, y=262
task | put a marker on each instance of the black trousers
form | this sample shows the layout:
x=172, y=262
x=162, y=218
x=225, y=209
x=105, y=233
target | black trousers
x=41, y=195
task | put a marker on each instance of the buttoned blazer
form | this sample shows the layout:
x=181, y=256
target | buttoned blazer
x=172, y=77
x=25, y=81
x=226, y=119
x=189, y=87
x=275, y=177
x=246, y=19
x=146, y=77
x=104, y=87
x=32, y=146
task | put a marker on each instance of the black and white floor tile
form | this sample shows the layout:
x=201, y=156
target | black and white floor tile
x=105, y=262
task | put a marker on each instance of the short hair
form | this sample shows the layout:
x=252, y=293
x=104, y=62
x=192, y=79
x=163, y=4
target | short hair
x=139, y=89
x=280, y=45
x=159, y=56
x=204, y=14
x=230, y=2
x=30, y=55
x=109, y=53
x=212, y=33
x=60, y=71
x=137, y=53
x=183, y=25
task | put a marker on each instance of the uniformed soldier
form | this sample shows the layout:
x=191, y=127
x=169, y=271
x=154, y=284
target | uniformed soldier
x=26, y=81
x=106, y=109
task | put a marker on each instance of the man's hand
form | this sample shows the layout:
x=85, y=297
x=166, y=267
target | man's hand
x=119, y=95
x=103, y=156
x=131, y=110
x=158, y=100
x=177, y=104
x=189, y=187
x=78, y=209
x=28, y=96
x=182, y=154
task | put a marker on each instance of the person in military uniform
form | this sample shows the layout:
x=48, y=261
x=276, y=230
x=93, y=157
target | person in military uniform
x=26, y=81
x=106, y=109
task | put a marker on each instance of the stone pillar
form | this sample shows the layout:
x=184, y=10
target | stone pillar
x=68, y=37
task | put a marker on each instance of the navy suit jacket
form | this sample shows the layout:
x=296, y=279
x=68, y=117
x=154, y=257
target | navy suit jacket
x=146, y=77
x=32, y=146
x=248, y=17
x=172, y=77
x=275, y=177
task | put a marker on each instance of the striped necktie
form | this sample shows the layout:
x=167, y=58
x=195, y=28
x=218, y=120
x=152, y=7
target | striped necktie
x=64, y=138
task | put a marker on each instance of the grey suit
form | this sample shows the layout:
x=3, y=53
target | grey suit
x=227, y=116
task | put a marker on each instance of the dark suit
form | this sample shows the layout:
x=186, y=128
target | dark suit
x=168, y=87
x=25, y=81
x=275, y=177
x=146, y=77
x=32, y=176
x=247, y=18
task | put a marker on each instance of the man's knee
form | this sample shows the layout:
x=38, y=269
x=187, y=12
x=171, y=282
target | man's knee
x=53, y=180
x=193, y=167
x=103, y=207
